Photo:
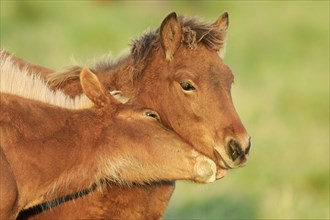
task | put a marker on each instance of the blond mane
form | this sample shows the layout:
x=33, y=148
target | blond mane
x=16, y=81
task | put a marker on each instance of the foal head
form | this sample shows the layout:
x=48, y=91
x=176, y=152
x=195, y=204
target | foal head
x=183, y=77
x=178, y=70
x=141, y=142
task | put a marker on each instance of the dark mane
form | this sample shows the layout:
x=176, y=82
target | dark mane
x=202, y=32
x=194, y=32
x=143, y=48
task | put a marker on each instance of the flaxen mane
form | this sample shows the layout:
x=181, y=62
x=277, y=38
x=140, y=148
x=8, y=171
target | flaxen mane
x=19, y=82
x=142, y=50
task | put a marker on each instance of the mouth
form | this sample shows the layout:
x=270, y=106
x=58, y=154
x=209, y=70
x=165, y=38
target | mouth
x=222, y=166
x=221, y=162
x=221, y=173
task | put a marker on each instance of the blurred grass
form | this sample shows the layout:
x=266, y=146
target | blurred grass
x=279, y=53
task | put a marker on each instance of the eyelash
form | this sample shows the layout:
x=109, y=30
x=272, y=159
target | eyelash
x=187, y=86
x=153, y=115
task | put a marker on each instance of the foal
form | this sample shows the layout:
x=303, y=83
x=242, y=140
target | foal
x=176, y=70
x=57, y=148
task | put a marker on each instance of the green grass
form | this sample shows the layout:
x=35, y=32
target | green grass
x=279, y=53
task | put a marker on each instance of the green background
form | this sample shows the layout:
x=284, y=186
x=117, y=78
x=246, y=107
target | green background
x=279, y=54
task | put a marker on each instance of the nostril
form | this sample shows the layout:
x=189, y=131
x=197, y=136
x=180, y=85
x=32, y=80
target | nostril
x=247, y=150
x=234, y=149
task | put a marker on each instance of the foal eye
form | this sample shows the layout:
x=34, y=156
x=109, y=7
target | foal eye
x=187, y=86
x=153, y=115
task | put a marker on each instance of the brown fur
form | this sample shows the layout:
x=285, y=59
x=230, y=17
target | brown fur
x=152, y=75
x=48, y=151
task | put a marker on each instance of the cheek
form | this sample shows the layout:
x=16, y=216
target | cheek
x=190, y=107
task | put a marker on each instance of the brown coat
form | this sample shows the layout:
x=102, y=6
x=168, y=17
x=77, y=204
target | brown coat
x=48, y=151
x=177, y=71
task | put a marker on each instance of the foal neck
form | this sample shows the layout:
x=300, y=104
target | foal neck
x=52, y=152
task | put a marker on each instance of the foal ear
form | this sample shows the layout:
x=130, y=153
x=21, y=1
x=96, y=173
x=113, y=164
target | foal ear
x=93, y=89
x=222, y=26
x=170, y=35
x=223, y=22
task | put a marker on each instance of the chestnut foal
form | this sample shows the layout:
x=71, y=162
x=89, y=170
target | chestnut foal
x=52, y=146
